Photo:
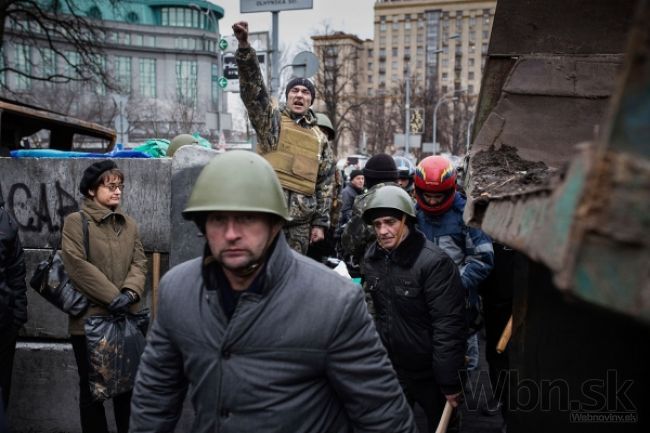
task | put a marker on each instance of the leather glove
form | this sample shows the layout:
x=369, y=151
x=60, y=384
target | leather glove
x=122, y=301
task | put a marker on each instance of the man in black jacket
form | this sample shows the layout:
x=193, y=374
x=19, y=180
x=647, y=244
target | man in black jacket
x=418, y=302
x=13, y=297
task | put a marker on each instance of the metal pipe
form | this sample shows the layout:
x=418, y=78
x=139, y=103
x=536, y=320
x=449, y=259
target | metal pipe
x=407, y=127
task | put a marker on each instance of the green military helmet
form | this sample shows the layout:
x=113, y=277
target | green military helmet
x=388, y=197
x=237, y=181
x=179, y=141
x=325, y=123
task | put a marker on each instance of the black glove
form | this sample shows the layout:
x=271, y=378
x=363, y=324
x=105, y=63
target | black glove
x=122, y=301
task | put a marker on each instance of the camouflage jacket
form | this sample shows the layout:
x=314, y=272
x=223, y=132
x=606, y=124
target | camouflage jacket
x=266, y=119
x=357, y=235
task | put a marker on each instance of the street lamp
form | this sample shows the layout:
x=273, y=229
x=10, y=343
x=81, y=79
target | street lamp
x=445, y=97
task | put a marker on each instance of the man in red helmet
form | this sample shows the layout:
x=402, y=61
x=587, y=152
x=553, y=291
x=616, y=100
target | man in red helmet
x=440, y=218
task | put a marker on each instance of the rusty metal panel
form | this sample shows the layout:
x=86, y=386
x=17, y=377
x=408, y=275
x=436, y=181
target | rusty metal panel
x=560, y=26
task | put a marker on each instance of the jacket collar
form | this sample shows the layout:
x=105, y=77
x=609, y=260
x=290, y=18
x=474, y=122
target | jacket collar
x=99, y=213
x=405, y=254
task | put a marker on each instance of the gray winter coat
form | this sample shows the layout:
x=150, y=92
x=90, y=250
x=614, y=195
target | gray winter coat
x=301, y=356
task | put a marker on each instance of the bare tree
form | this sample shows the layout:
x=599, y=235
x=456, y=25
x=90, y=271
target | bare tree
x=58, y=31
x=453, y=120
x=337, y=85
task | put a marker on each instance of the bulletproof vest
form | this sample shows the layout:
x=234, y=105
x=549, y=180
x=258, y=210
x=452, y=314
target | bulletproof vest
x=297, y=157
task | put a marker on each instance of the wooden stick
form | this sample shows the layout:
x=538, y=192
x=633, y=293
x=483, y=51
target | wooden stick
x=154, y=282
x=505, y=336
x=445, y=418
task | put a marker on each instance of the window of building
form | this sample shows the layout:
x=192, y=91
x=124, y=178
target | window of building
x=407, y=51
x=393, y=65
x=382, y=24
x=472, y=22
x=444, y=89
x=470, y=62
x=186, y=79
x=48, y=62
x=183, y=17
x=382, y=40
x=148, y=78
x=71, y=60
x=369, y=78
x=100, y=87
x=394, y=51
x=395, y=25
x=486, y=34
x=94, y=13
x=125, y=38
x=470, y=89
x=123, y=73
x=382, y=53
x=185, y=43
x=132, y=18
x=444, y=75
x=23, y=55
x=470, y=75
x=370, y=52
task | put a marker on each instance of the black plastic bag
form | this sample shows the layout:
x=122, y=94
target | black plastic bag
x=115, y=344
x=52, y=282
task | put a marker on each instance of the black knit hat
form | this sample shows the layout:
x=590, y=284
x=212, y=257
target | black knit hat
x=355, y=173
x=298, y=81
x=92, y=173
x=380, y=168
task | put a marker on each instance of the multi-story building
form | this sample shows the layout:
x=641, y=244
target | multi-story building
x=439, y=46
x=342, y=58
x=162, y=55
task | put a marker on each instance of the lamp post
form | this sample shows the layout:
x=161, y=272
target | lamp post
x=407, y=115
x=444, y=98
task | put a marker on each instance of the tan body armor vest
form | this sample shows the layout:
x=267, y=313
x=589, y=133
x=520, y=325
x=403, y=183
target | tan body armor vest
x=297, y=157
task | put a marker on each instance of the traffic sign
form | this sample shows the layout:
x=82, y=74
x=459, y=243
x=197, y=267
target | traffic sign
x=223, y=82
x=228, y=44
x=250, y=6
x=223, y=44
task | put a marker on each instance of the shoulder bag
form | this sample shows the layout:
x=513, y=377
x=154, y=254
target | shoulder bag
x=52, y=282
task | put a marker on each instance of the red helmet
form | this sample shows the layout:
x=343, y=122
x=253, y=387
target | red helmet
x=435, y=174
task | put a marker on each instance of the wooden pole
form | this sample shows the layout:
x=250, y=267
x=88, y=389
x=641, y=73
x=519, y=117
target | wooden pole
x=444, y=419
x=505, y=336
x=155, y=282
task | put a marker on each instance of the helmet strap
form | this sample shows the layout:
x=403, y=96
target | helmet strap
x=400, y=232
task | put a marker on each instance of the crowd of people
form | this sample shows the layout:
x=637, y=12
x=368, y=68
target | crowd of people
x=258, y=335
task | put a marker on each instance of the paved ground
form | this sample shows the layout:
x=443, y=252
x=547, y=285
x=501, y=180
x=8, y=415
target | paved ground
x=474, y=420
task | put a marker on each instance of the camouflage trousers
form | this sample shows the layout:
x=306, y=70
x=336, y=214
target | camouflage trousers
x=298, y=236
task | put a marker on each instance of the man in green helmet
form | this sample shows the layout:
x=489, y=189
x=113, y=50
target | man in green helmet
x=289, y=138
x=419, y=306
x=263, y=338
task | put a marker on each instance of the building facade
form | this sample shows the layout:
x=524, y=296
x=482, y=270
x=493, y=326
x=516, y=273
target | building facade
x=162, y=57
x=437, y=46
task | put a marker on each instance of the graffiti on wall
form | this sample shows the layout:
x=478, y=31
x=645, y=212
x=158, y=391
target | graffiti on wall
x=38, y=208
